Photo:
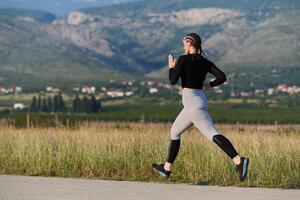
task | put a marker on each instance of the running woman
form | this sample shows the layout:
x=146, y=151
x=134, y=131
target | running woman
x=192, y=68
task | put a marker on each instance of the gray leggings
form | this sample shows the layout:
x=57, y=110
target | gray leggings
x=194, y=112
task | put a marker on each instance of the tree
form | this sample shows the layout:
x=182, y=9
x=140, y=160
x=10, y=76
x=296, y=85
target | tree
x=50, y=106
x=99, y=105
x=76, y=104
x=61, y=103
x=84, y=104
x=33, y=106
x=39, y=105
x=56, y=103
x=94, y=104
x=44, y=105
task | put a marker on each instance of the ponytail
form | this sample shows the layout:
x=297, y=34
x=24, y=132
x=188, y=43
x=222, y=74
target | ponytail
x=202, y=53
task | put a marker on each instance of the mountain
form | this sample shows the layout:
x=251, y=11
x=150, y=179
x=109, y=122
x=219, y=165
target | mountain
x=28, y=14
x=29, y=55
x=58, y=7
x=272, y=43
x=235, y=32
x=135, y=38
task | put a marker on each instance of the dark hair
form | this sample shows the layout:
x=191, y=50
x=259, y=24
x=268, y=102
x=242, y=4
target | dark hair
x=195, y=41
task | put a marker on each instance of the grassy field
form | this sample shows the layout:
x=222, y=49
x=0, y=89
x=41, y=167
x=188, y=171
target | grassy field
x=150, y=109
x=125, y=151
x=154, y=109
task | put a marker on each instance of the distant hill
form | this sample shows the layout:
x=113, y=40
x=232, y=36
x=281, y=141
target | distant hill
x=30, y=15
x=235, y=32
x=58, y=7
x=30, y=55
x=133, y=39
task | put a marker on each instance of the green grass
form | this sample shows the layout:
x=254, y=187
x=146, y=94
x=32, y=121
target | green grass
x=125, y=151
x=156, y=112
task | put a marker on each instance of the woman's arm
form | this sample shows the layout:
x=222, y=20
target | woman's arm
x=175, y=69
x=220, y=75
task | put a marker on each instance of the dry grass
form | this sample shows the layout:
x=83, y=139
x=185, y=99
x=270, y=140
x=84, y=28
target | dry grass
x=125, y=151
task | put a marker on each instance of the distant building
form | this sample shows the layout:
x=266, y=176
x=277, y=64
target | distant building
x=129, y=93
x=288, y=89
x=2, y=90
x=88, y=90
x=93, y=89
x=127, y=83
x=282, y=87
x=19, y=106
x=51, y=89
x=259, y=91
x=114, y=94
x=149, y=83
x=246, y=94
x=153, y=90
x=18, y=89
x=270, y=91
x=10, y=90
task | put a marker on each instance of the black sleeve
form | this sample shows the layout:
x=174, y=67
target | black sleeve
x=220, y=75
x=174, y=73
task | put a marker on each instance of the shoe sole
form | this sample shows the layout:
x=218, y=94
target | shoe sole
x=245, y=169
x=162, y=174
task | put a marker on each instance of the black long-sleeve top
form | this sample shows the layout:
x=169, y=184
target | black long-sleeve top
x=193, y=72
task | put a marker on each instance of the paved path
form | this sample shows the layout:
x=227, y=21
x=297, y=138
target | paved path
x=32, y=187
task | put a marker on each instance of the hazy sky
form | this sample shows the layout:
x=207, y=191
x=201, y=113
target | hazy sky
x=58, y=7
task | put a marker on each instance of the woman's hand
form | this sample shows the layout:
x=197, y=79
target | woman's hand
x=206, y=86
x=172, y=61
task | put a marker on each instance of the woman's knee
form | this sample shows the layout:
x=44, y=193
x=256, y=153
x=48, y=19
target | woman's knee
x=175, y=134
x=211, y=136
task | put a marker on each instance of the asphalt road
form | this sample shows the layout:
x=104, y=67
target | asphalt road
x=32, y=187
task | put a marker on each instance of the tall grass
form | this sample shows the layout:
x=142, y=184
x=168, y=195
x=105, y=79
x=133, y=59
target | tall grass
x=125, y=151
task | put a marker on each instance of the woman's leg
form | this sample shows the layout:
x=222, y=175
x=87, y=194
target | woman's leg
x=181, y=123
x=204, y=123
